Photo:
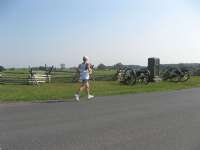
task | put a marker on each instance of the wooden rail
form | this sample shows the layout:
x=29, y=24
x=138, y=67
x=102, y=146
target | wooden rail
x=39, y=78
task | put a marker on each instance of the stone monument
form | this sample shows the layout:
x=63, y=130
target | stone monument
x=154, y=68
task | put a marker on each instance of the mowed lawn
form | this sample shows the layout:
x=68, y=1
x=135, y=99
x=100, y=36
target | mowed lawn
x=65, y=91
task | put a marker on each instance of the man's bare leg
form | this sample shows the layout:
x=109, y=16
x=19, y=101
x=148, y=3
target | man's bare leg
x=87, y=87
x=88, y=91
x=77, y=95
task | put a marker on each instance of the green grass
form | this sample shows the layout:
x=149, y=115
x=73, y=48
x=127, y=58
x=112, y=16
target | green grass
x=65, y=91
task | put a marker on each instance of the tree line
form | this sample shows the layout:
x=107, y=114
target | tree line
x=193, y=67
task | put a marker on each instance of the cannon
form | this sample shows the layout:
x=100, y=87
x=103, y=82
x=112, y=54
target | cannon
x=176, y=74
x=131, y=76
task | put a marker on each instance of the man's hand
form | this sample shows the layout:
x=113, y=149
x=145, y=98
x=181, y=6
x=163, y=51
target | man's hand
x=90, y=67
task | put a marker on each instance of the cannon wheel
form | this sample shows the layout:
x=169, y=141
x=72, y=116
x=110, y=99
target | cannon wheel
x=185, y=76
x=129, y=77
x=146, y=79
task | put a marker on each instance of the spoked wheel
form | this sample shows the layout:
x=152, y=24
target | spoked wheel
x=143, y=78
x=131, y=80
x=129, y=77
x=146, y=80
x=185, y=76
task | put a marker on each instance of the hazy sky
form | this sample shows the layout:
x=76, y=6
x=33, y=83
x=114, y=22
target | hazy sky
x=38, y=32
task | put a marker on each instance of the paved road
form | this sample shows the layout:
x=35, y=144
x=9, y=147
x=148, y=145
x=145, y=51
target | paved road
x=154, y=121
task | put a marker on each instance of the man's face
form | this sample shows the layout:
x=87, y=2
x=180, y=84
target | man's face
x=85, y=60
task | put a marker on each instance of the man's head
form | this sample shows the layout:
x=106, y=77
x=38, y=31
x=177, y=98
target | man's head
x=85, y=58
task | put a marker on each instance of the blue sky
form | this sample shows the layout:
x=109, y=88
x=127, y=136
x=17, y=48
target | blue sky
x=38, y=32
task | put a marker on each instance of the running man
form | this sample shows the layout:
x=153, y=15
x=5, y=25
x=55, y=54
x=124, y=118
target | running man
x=84, y=70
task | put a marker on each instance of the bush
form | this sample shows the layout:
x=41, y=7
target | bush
x=101, y=66
x=2, y=68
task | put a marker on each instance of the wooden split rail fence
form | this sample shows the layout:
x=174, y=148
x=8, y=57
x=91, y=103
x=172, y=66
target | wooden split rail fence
x=39, y=78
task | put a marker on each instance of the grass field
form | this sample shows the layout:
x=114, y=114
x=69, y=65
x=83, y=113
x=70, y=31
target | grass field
x=65, y=91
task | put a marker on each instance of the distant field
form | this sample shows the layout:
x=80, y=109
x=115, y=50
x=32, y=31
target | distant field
x=65, y=91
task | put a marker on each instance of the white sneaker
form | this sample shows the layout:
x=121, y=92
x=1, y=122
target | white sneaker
x=90, y=96
x=77, y=97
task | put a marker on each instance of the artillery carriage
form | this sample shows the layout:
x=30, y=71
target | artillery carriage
x=176, y=74
x=131, y=76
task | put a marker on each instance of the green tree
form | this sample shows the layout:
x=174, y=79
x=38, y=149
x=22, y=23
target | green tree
x=118, y=66
x=2, y=68
x=101, y=66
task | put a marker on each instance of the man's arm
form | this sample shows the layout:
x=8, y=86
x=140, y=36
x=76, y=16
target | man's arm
x=90, y=68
